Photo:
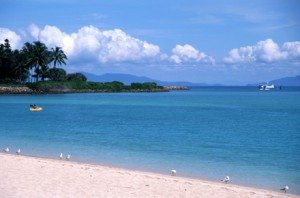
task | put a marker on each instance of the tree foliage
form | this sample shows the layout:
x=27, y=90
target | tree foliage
x=57, y=74
x=58, y=56
x=144, y=86
x=13, y=66
x=84, y=86
x=76, y=77
x=16, y=66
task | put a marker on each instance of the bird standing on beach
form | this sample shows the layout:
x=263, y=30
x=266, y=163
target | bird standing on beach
x=18, y=151
x=68, y=157
x=226, y=179
x=285, y=189
x=61, y=156
x=173, y=172
x=6, y=150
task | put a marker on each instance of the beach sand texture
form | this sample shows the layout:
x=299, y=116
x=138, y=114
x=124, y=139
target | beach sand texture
x=22, y=176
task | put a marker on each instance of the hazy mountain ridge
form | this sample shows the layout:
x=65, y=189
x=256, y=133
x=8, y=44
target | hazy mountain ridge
x=287, y=81
x=129, y=78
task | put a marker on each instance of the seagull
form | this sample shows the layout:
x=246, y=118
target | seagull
x=6, y=150
x=68, y=157
x=61, y=156
x=226, y=179
x=18, y=151
x=285, y=189
x=173, y=172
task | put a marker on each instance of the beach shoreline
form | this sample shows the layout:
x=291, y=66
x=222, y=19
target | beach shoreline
x=30, y=176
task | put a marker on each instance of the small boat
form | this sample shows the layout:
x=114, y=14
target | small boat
x=35, y=108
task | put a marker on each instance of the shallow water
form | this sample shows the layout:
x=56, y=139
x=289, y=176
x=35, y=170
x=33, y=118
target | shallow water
x=208, y=132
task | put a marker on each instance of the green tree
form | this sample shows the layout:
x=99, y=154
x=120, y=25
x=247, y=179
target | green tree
x=114, y=86
x=76, y=77
x=6, y=55
x=136, y=85
x=38, y=57
x=12, y=64
x=58, y=56
x=15, y=66
x=57, y=74
x=20, y=71
x=149, y=85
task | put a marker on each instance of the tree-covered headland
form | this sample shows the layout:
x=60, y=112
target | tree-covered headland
x=36, y=66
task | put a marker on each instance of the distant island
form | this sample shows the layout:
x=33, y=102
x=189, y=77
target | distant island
x=35, y=62
x=82, y=87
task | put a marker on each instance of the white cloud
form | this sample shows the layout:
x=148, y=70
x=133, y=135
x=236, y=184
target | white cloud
x=34, y=31
x=292, y=49
x=187, y=53
x=105, y=46
x=121, y=47
x=14, y=38
x=266, y=51
x=89, y=44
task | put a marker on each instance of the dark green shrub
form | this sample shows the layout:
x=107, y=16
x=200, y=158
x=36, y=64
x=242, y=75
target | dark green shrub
x=57, y=74
x=76, y=77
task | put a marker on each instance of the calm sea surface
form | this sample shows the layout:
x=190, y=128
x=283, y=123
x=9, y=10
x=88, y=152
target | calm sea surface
x=250, y=135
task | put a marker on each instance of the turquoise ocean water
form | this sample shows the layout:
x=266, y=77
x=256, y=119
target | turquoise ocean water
x=208, y=133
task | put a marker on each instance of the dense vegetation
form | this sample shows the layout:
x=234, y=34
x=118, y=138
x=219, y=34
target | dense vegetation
x=84, y=86
x=36, y=61
x=32, y=61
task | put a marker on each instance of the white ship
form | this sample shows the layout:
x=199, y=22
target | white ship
x=266, y=87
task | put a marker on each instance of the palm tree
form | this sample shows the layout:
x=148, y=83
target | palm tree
x=58, y=56
x=38, y=58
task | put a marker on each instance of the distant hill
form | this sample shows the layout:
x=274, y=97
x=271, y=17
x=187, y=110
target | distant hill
x=125, y=78
x=287, y=81
x=128, y=78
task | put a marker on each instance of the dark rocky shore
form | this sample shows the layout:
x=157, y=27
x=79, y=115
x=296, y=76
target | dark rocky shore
x=16, y=90
x=27, y=90
x=170, y=88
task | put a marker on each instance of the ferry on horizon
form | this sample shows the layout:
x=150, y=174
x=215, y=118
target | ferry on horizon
x=266, y=87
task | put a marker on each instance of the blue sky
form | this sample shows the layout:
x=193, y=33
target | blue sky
x=223, y=41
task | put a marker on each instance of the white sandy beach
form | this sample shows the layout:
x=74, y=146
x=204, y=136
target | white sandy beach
x=22, y=176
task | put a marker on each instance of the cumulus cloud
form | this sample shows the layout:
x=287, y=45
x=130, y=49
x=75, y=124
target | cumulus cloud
x=188, y=54
x=292, y=49
x=14, y=38
x=105, y=46
x=34, y=31
x=89, y=44
x=266, y=51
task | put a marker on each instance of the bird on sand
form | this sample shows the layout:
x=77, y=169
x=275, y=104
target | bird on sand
x=226, y=179
x=68, y=157
x=285, y=189
x=173, y=172
x=18, y=151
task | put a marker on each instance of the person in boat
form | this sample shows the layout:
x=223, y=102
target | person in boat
x=34, y=106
